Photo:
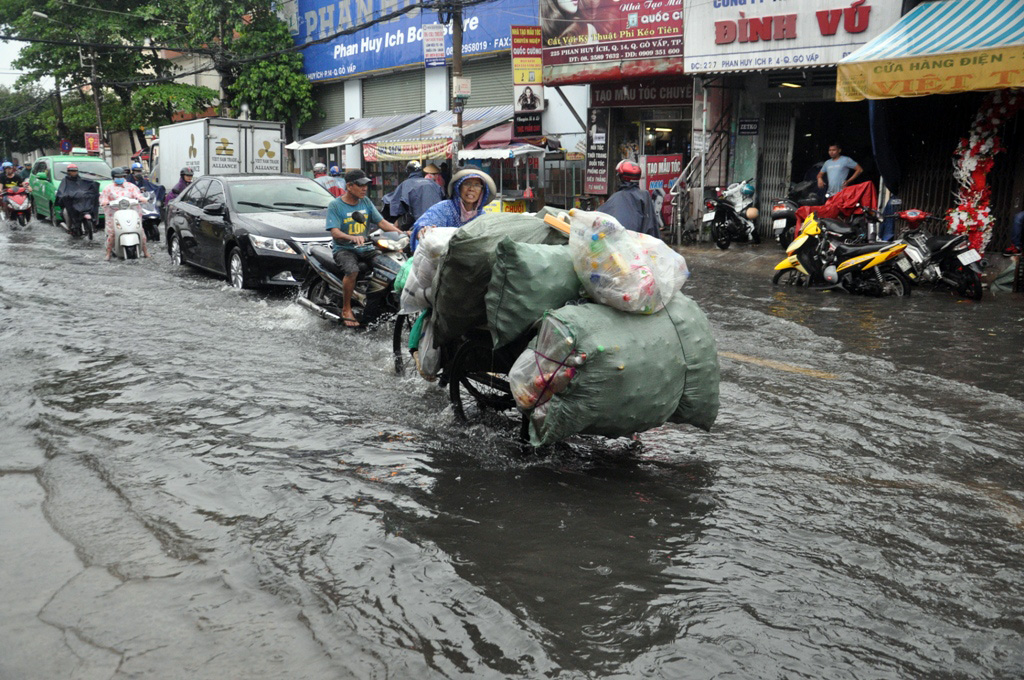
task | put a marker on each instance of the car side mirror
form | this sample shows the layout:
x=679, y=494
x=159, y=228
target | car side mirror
x=214, y=209
x=41, y=175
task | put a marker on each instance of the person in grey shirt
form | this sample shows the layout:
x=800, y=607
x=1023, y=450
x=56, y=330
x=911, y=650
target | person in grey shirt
x=833, y=174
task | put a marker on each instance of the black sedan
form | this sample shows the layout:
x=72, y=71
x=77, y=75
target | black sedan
x=235, y=226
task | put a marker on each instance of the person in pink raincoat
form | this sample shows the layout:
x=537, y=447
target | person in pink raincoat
x=110, y=196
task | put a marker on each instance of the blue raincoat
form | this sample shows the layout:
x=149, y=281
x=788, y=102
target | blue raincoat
x=447, y=212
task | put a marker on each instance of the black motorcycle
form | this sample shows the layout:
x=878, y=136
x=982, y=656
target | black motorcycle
x=731, y=215
x=374, y=296
x=784, y=209
x=942, y=261
x=85, y=203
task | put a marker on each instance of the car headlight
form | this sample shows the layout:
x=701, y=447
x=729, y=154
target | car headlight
x=273, y=245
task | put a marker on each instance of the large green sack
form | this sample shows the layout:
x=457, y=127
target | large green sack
x=460, y=284
x=527, y=280
x=639, y=372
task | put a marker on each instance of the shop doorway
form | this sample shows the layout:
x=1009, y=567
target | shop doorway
x=820, y=124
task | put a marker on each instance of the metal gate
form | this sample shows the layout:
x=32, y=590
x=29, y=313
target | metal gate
x=392, y=94
x=775, y=162
x=490, y=81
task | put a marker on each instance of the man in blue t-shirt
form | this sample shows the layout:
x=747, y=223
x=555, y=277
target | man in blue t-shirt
x=350, y=244
x=836, y=169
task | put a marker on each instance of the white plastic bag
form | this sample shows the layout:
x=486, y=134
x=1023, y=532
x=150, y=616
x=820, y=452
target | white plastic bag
x=540, y=373
x=623, y=269
x=418, y=293
x=426, y=356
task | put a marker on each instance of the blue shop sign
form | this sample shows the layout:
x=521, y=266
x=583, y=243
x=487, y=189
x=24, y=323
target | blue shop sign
x=395, y=43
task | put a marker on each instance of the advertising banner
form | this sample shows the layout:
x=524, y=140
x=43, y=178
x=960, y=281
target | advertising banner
x=407, y=150
x=395, y=43
x=652, y=92
x=723, y=35
x=591, y=40
x=527, y=68
x=941, y=74
x=595, y=175
x=660, y=175
x=527, y=126
x=92, y=142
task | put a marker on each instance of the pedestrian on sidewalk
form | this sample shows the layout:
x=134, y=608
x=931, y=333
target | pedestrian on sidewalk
x=1015, y=235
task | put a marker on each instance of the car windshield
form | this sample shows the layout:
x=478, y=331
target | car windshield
x=97, y=170
x=279, y=195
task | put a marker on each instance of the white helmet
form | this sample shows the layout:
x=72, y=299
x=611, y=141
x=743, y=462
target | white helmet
x=319, y=167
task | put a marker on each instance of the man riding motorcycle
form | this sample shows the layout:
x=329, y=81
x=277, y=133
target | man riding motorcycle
x=413, y=197
x=631, y=205
x=329, y=182
x=79, y=196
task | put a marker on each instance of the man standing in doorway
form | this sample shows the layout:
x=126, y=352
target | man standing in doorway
x=833, y=175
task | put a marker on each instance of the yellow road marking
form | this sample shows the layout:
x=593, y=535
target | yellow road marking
x=778, y=365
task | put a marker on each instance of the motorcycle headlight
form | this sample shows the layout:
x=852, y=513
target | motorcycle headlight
x=272, y=245
x=385, y=244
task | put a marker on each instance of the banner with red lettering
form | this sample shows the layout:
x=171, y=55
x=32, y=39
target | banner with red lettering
x=591, y=40
x=727, y=35
x=660, y=175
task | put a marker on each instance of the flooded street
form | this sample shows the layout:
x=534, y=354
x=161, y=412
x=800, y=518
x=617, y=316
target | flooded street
x=202, y=483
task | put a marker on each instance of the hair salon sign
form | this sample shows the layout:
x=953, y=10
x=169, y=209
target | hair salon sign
x=745, y=35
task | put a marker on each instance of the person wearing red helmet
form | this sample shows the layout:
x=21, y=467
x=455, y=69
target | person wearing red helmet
x=631, y=205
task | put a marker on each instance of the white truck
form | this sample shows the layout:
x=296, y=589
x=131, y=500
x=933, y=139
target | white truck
x=217, y=146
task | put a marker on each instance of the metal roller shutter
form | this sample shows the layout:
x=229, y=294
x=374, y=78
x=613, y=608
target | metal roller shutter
x=392, y=94
x=490, y=81
x=776, y=161
x=330, y=101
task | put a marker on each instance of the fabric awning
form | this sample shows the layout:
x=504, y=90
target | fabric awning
x=501, y=152
x=431, y=135
x=354, y=131
x=502, y=136
x=939, y=47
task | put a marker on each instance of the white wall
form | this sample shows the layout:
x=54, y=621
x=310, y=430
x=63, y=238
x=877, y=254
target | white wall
x=353, y=109
x=558, y=120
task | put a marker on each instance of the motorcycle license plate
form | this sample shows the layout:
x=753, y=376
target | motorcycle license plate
x=779, y=224
x=968, y=256
x=904, y=264
x=708, y=217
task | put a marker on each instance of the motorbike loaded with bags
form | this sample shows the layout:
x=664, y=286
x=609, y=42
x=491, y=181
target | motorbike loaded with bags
x=731, y=215
x=818, y=258
x=374, y=296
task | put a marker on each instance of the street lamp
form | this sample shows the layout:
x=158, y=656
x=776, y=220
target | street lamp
x=94, y=83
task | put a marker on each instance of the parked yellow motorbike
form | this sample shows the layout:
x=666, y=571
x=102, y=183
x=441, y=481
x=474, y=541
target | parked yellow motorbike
x=817, y=259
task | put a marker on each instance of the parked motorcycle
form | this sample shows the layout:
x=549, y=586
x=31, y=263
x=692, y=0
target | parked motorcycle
x=151, y=216
x=374, y=296
x=818, y=260
x=17, y=205
x=943, y=261
x=732, y=215
x=784, y=209
x=127, y=229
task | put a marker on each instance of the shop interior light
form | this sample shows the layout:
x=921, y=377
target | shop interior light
x=663, y=129
x=790, y=85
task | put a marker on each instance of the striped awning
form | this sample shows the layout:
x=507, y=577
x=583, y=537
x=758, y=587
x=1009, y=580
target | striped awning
x=354, y=131
x=431, y=136
x=939, y=47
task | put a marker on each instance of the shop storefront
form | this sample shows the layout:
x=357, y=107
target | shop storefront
x=947, y=111
x=773, y=72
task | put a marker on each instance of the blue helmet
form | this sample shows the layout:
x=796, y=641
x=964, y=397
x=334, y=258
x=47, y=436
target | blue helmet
x=747, y=190
x=6, y=164
x=136, y=166
x=335, y=171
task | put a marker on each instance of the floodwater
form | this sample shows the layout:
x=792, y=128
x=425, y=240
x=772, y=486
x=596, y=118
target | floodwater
x=201, y=483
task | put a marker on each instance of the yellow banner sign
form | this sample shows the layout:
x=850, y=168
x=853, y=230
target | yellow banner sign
x=992, y=69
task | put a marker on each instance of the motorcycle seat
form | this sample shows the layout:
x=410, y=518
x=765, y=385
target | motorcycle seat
x=845, y=252
x=835, y=226
x=936, y=243
x=325, y=257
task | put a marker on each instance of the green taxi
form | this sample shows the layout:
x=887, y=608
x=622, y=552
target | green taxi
x=48, y=171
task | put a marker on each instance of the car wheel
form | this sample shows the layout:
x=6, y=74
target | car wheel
x=35, y=211
x=237, y=275
x=174, y=249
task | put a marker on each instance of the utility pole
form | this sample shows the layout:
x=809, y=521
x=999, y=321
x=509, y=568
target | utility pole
x=96, y=100
x=459, y=103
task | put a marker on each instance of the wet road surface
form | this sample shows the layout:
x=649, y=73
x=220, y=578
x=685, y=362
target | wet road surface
x=202, y=483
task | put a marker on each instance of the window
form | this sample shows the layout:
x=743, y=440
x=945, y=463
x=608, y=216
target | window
x=87, y=169
x=194, y=194
x=39, y=167
x=279, y=195
x=215, y=194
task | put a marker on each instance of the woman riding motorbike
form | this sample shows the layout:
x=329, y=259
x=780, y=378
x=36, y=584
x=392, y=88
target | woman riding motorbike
x=114, y=193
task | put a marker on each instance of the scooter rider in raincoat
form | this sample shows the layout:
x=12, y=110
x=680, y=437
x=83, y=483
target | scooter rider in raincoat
x=179, y=188
x=631, y=205
x=110, y=196
x=139, y=180
x=79, y=196
x=470, y=190
x=329, y=182
x=412, y=197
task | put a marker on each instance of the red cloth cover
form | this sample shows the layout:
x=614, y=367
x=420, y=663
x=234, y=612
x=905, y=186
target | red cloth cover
x=841, y=204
